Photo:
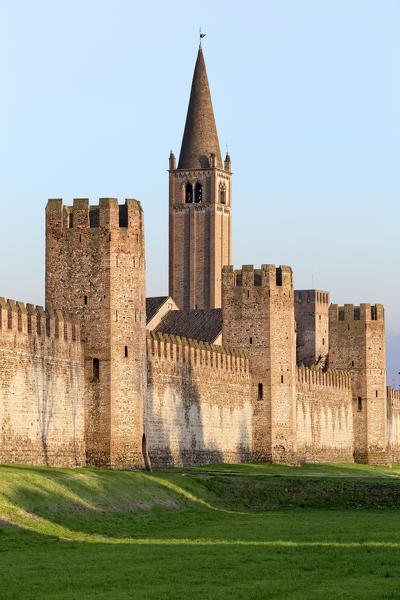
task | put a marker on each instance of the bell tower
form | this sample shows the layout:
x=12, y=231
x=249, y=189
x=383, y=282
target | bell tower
x=199, y=205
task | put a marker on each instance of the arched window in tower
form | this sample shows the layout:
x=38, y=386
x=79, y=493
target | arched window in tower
x=189, y=193
x=222, y=194
x=198, y=193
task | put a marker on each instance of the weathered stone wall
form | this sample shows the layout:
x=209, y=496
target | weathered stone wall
x=258, y=316
x=324, y=426
x=311, y=312
x=199, y=403
x=41, y=387
x=199, y=237
x=357, y=344
x=393, y=423
x=95, y=268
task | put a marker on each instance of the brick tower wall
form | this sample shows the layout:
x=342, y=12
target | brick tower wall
x=199, y=237
x=258, y=316
x=95, y=267
x=311, y=311
x=41, y=387
x=199, y=402
x=393, y=423
x=357, y=344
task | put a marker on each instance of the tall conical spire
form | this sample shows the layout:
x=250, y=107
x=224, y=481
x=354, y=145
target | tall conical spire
x=200, y=138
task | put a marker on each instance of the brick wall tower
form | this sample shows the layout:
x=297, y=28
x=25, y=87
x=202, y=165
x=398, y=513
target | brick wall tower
x=357, y=343
x=95, y=267
x=311, y=311
x=199, y=205
x=258, y=316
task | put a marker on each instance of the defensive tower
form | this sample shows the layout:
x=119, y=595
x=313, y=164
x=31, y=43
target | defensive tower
x=258, y=316
x=199, y=205
x=311, y=311
x=95, y=268
x=357, y=344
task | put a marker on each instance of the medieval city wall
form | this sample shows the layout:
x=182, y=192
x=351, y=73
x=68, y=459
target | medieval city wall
x=324, y=416
x=393, y=423
x=41, y=387
x=199, y=402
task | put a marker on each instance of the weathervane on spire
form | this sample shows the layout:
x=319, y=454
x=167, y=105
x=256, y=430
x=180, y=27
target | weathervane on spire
x=202, y=35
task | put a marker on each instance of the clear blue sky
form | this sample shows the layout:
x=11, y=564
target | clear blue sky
x=306, y=95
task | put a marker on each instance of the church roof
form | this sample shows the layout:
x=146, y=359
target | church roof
x=153, y=305
x=204, y=325
x=200, y=138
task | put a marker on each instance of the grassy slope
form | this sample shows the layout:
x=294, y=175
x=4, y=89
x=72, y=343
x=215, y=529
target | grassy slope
x=203, y=533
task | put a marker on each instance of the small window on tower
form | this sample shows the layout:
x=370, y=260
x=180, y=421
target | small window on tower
x=323, y=341
x=251, y=340
x=85, y=300
x=222, y=194
x=359, y=404
x=126, y=351
x=260, y=391
x=96, y=369
x=117, y=261
x=281, y=378
x=189, y=193
x=198, y=193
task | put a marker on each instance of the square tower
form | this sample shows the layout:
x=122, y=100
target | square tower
x=95, y=268
x=357, y=344
x=258, y=316
x=311, y=311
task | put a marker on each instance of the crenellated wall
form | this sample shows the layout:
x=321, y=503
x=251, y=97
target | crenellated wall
x=324, y=416
x=41, y=386
x=393, y=423
x=199, y=402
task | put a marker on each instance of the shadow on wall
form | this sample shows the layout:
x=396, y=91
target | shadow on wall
x=43, y=390
x=174, y=421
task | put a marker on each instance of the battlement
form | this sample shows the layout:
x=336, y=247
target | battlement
x=332, y=378
x=192, y=354
x=363, y=312
x=314, y=296
x=268, y=276
x=393, y=396
x=19, y=319
x=107, y=214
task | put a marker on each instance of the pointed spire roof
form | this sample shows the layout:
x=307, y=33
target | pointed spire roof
x=200, y=138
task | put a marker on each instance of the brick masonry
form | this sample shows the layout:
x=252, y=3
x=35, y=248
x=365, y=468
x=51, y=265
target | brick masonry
x=95, y=268
x=199, y=402
x=41, y=387
x=393, y=423
x=311, y=311
x=324, y=416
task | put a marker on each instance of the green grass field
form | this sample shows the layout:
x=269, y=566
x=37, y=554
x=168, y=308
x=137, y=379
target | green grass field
x=227, y=531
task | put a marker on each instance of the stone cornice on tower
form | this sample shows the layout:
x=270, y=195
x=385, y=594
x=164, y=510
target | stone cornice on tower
x=200, y=138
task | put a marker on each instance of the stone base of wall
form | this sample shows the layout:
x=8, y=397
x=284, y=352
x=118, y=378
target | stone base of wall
x=373, y=458
x=310, y=454
x=395, y=454
x=20, y=450
x=165, y=458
